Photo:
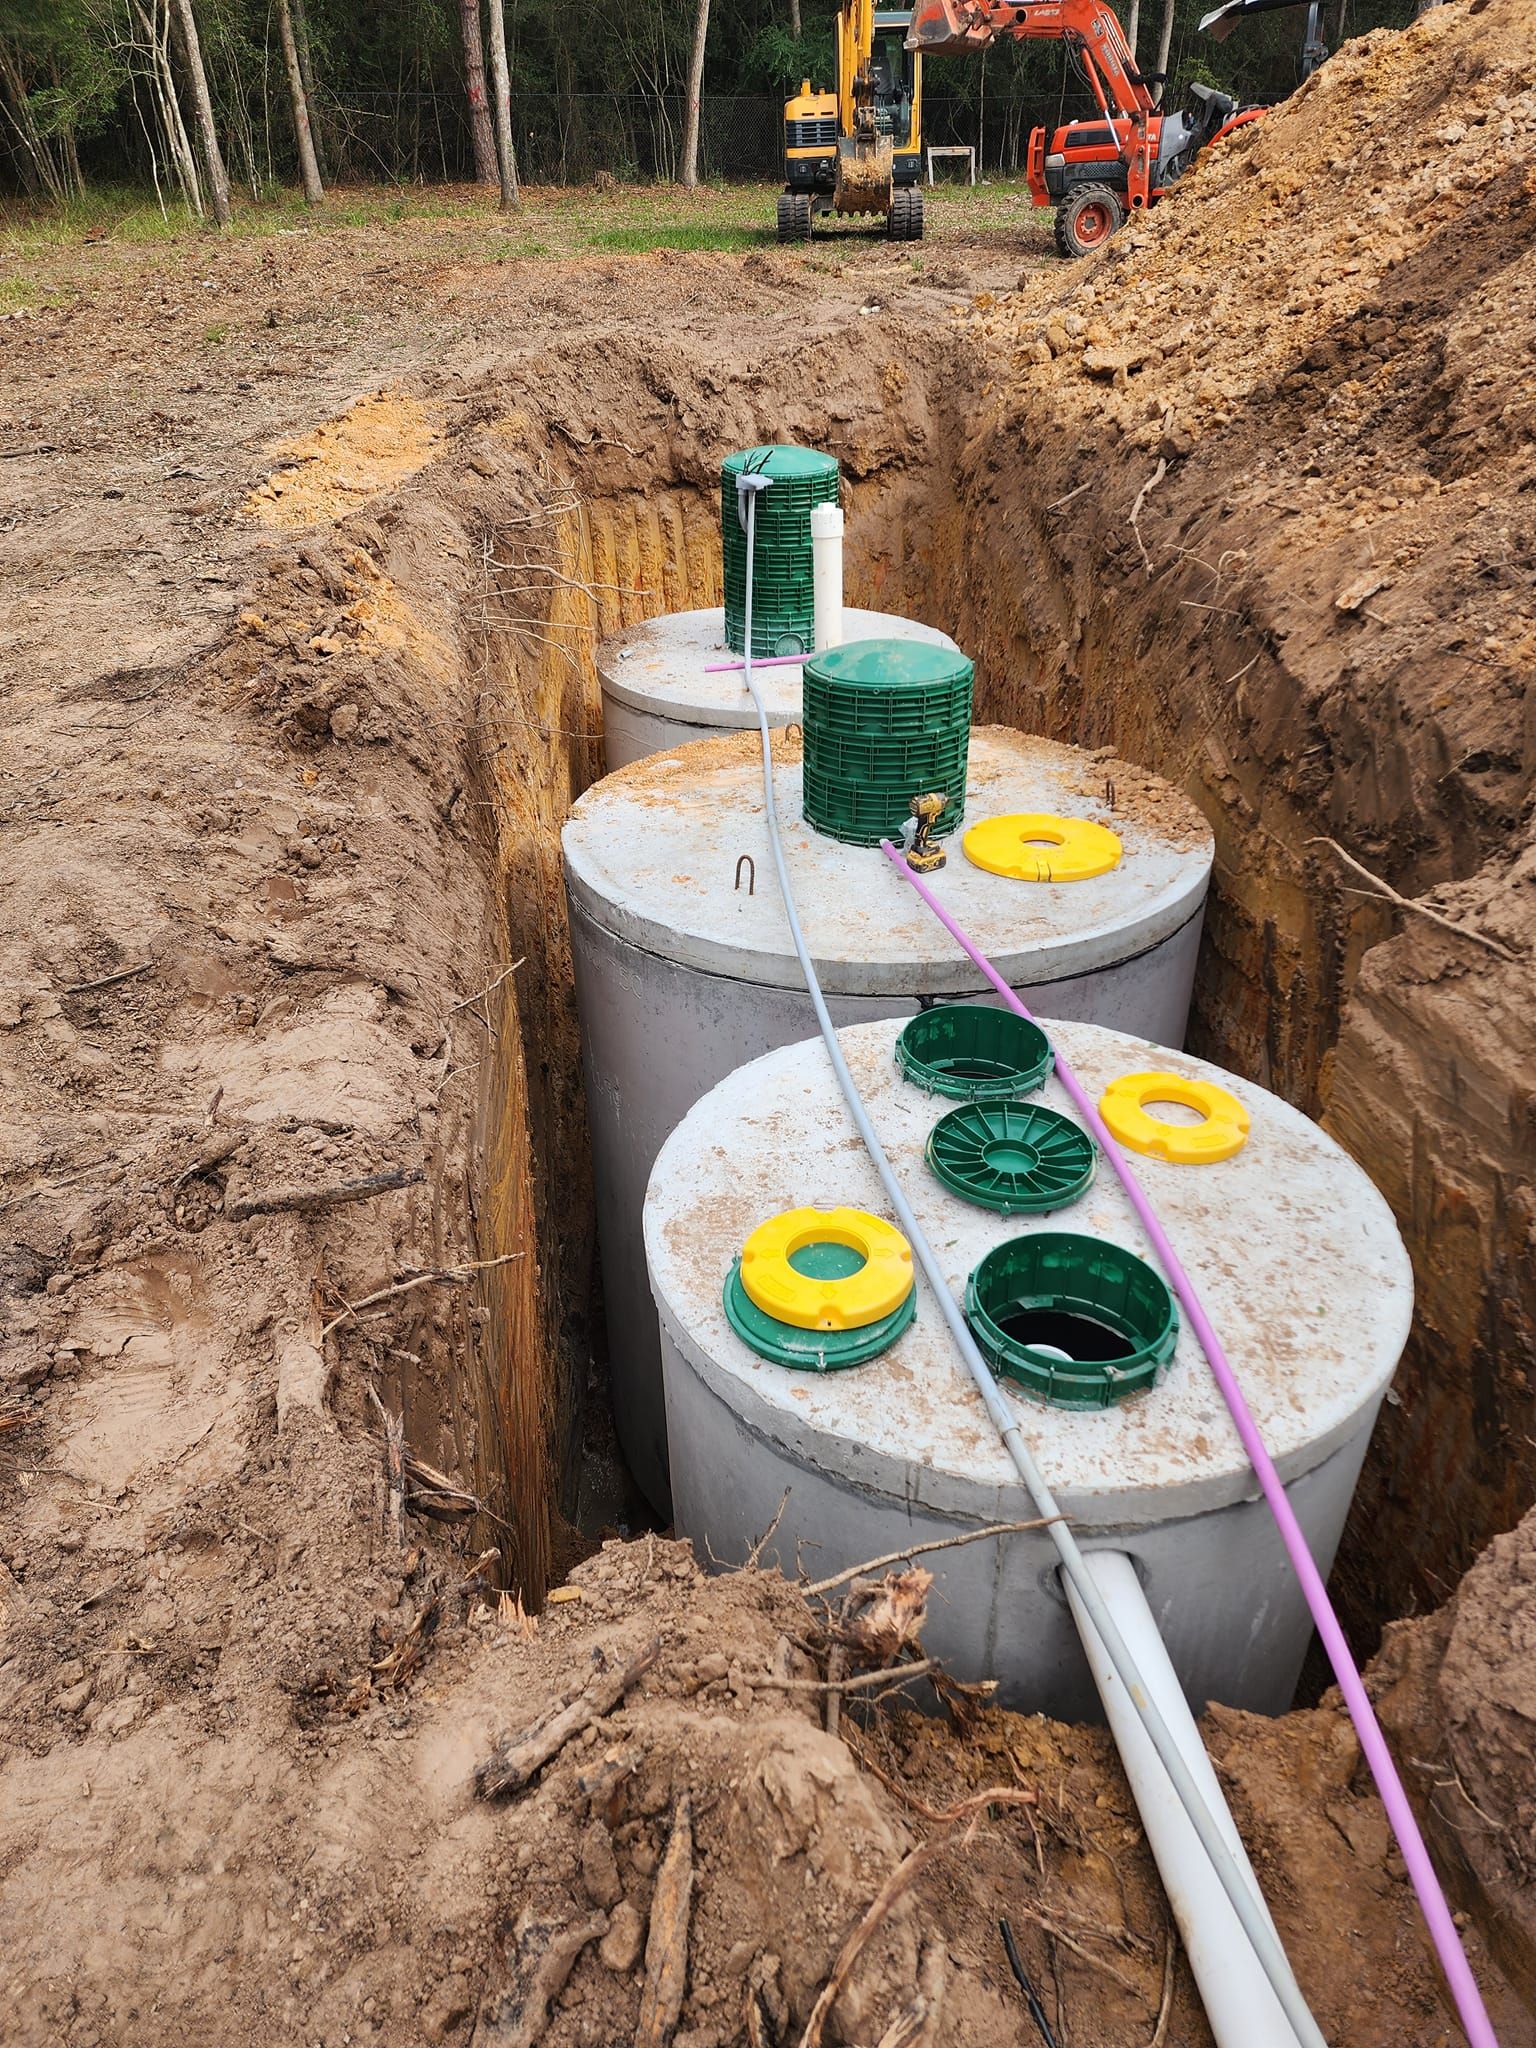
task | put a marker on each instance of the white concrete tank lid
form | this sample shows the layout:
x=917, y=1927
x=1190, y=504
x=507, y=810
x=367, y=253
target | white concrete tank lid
x=1297, y=1257
x=658, y=666
x=652, y=853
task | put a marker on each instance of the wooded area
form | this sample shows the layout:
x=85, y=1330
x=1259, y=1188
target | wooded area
x=189, y=96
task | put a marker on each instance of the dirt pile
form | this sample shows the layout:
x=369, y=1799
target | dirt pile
x=352, y=1884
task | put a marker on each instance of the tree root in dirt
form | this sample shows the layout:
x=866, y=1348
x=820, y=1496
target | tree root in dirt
x=917, y=2024
x=541, y=1955
x=438, y=1276
x=666, y=1947
x=1383, y=892
x=288, y=1201
x=516, y=1760
x=900, y=1880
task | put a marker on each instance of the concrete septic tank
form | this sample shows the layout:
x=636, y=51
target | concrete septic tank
x=656, y=694
x=684, y=966
x=1299, y=1263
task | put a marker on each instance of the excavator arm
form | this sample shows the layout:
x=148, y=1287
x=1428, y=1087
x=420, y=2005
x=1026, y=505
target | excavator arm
x=951, y=27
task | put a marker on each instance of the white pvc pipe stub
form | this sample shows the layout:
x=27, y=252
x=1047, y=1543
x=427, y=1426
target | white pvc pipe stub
x=827, y=574
x=1239, y=2002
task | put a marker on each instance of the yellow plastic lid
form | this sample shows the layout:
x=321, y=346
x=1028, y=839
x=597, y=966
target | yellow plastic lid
x=826, y=1269
x=1223, y=1131
x=1033, y=846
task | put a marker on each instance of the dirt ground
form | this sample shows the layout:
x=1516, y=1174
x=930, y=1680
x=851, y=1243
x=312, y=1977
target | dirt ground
x=298, y=686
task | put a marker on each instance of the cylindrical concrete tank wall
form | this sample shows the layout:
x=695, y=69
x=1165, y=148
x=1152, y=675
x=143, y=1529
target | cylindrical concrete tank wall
x=656, y=694
x=1300, y=1265
x=684, y=965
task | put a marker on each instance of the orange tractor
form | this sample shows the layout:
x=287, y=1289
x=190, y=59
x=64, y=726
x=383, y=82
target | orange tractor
x=1093, y=172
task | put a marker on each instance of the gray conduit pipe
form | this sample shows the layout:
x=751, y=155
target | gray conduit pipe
x=1249, y=1911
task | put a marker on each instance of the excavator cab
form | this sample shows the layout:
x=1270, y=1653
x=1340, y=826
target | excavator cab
x=858, y=150
x=1184, y=135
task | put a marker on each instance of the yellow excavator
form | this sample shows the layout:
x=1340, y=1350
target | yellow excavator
x=858, y=150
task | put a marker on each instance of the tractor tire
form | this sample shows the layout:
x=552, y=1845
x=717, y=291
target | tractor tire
x=794, y=217
x=1086, y=220
x=904, y=222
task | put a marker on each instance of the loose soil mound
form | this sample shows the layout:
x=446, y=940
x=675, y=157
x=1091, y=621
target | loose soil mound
x=374, y=446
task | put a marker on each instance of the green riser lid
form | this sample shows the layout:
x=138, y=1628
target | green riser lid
x=809, y=1350
x=902, y=688
x=1018, y=1158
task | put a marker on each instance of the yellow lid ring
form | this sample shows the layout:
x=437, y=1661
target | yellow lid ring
x=1034, y=846
x=850, y=1301
x=1223, y=1131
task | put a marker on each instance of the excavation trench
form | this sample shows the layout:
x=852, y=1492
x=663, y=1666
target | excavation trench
x=964, y=516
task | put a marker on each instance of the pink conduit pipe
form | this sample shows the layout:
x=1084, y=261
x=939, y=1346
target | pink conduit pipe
x=722, y=668
x=1437, y=1914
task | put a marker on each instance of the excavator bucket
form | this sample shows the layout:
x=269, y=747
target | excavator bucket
x=948, y=27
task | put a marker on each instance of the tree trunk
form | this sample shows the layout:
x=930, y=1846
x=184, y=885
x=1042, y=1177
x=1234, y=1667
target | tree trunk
x=155, y=19
x=794, y=19
x=213, y=157
x=307, y=73
x=1132, y=24
x=309, y=169
x=501, y=88
x=32, y=157
x=480, y=134
x=1164, y=45
x=688, y=169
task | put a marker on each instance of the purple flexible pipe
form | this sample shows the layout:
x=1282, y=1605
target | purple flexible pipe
x=1437, y=1914
x=721, y=668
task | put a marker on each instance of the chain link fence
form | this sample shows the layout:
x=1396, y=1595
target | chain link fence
x=568, y=139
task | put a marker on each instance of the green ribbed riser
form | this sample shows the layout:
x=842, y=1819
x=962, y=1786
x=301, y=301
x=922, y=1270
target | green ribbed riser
x=783, y=608
x=862, y=816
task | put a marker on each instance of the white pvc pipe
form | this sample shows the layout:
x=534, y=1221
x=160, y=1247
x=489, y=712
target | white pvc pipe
x=1239, y=2003
x=827, y=574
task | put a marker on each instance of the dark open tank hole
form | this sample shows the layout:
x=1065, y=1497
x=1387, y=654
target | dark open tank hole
x=1084, y=1339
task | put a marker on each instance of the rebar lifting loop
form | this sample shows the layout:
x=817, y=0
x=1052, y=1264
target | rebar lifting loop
x=746, y=861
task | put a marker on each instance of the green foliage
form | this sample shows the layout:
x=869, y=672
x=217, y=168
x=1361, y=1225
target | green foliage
x=62, y=63
x=776, y=62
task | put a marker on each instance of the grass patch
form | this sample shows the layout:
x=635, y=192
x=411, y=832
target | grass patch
x=17, y=293
x=679, y=235
x=460, y=224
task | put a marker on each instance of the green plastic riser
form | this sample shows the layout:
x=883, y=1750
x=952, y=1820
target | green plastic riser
x=862, y=815
x=809, y=1350
x=973, y=1052
x=783, y=607
x=1110, y=1314
x=884, y=721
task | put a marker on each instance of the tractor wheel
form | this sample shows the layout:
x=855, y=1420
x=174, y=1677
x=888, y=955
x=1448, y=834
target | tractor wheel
x=904, y=222
x=794, y=216
x=1086, y=220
